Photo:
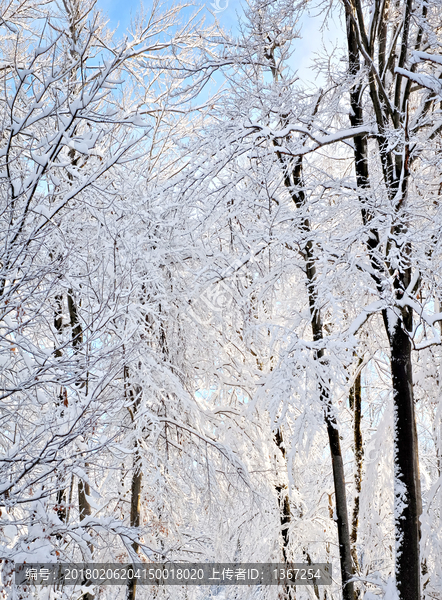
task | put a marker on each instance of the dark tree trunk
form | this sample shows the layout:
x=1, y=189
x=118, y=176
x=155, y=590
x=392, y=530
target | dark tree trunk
x=84, y=508
x=135, y=513
x=134, y=393
x=341, y=509
x=406, y=466
x=85, y=511
x=135, y=500
x=284, y=517
x=62, y=400
x=77, y=341
x=77, y=332
x=284, y=503
x=293, y=181
x=356, y=406
x=83, y=504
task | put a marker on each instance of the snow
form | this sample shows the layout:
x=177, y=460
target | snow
x=43, y=210
x=419, y=56
x=41, y=159
x=362, y=318
x=425, y=80
x=41, y=50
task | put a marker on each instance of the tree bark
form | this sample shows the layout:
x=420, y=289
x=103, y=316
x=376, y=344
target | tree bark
x=406, y=466
x=85, y=511
x=341, y=509
x=84, y=508
x=77, y=341
x=61, y=505
x=135, y=513
x=83, y=504
x=355, y=401
x=284, y=504
x=137, y=478
x=284, y=517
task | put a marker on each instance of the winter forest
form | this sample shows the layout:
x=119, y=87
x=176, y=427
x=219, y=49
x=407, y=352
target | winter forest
x=221, y=295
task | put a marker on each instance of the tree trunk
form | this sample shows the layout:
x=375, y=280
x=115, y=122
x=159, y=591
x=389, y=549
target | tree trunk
x=341, y=509
x=83, y=504
x=355, y=401
x=62, y=400
x=137, y=478
x=135, y=514
x=85, y=511
x=284, y=517
x=406, y=465
x=77, y=341
x=84, y=508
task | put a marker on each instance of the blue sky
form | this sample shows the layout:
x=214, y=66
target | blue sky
x=120, y=14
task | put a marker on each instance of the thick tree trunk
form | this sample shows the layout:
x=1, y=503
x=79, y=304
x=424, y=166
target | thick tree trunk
x=341, y=517
x=406, y=464
x=135, y=500
x=284, y=503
